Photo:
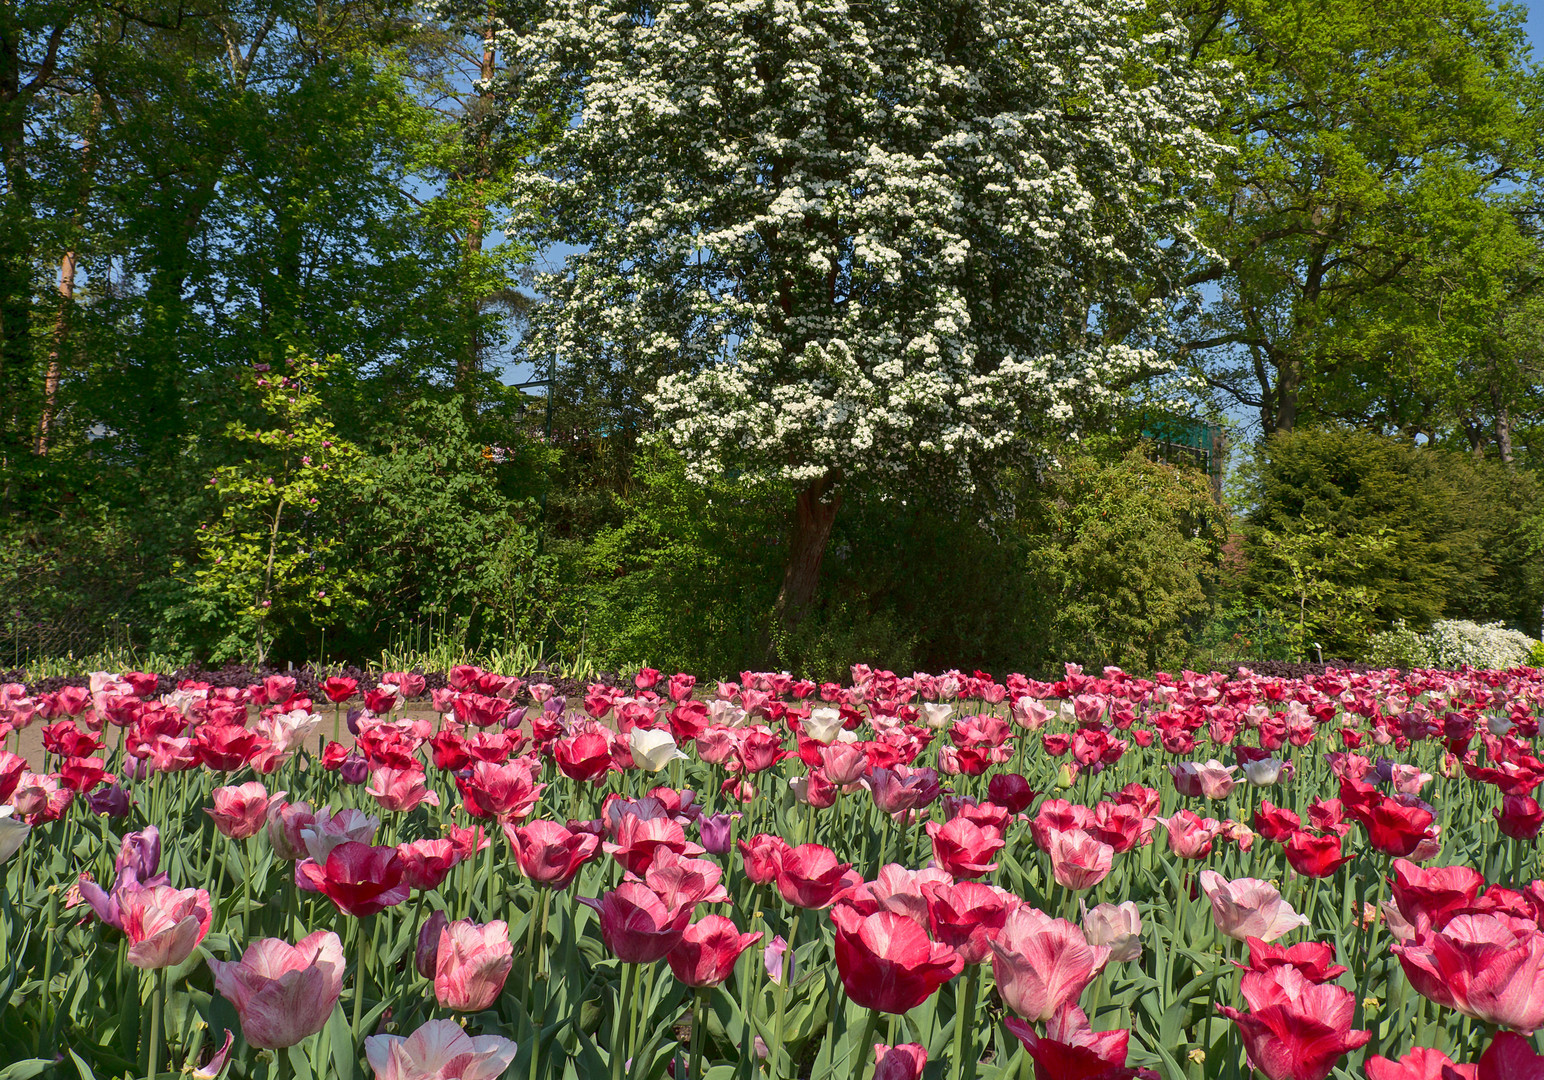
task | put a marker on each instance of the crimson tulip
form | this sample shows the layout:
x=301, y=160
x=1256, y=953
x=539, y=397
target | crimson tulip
x=886, y=961
x=968, y=916
x=1294, y=1029
x=761, y=854
x=360, y=879
x=1314, y=960
x=963, y=848
x=549, y=854
x=809, y=876
x=707, y=951
x=635, y=923
x=1071, y=1050
x=1421, y=1063
x=1519, y=817
x=1488, y=966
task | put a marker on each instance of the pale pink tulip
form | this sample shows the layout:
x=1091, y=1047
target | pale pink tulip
x=1041, y=963
x=1248, y=907
x=1078, y=861
x=439, y=1050
x=164, y=925
x=471, y=964
x=283, y=993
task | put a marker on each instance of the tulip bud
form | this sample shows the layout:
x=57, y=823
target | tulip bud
x=714, y=833
x=427, y=955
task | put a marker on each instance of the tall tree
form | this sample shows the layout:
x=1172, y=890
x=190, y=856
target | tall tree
x=827, y=244
x=1372, y=141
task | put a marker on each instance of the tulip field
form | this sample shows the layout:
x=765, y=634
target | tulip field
x=951, y=876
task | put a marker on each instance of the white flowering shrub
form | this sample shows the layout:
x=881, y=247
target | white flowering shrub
x=882, y=240
x=1398, y=647
x=1455, y=643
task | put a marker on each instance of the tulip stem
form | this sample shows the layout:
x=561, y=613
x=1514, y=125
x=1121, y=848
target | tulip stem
x=362, y=938
x=488, y=863
x=865, y=1047
x=156, y=992
x=965, y=1055
x=784, y=985
x=625, y=1005
x=699, y=1017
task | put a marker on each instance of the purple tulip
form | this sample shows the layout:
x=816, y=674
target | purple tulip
x=111, y=801
x=714, y=832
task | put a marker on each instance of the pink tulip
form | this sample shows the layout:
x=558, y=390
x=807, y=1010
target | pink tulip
x=471, y=964
x=1488, y=966
x=1190, y=837
x=164, y=925
x=242, y=811
x=1248, y=907
x=707, y=951
x=635, y=923
x=1041, y=963
x=1078, y=861
x=283, y=993
x=400, y=789
x=439, y=1050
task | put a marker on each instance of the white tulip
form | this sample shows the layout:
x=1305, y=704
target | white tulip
x=653, y=749
x=937, y=716
x=823, y=725
x=1265, y=771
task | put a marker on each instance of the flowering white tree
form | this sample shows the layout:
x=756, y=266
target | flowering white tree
x=892, y=242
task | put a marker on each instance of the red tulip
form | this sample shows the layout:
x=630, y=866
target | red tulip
x=1315, y=856
x=707, y=951
x=1421, y=1063
x=809, y=876
x=1314, y=960
x=969, y=916
x=639, y=839
x=583, y=757
x=1510, y=1057
x=904, y=1062
x=471, y=964
x=339, y=689
x=1519, y=817
x=164, y=925
x=1071, y=1050
x=240, y=812
x=1393, y=828
x=1434, y=895
x=886, y=961
x=283, y=993
x=1011, y=792
x=507, y=792
x=549, y=854
x=227, y=747
x=358, y=878
x=761, y=854
x=1490, y=967
x=1041, y=963
x=1294, y=1029
x=964, y=849
x=636, y=925
x=427, y=863
x=1275, y=823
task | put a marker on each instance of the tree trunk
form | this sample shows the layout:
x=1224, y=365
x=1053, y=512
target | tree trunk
x=55, y=372
x=814, y=513
x=1503, y=424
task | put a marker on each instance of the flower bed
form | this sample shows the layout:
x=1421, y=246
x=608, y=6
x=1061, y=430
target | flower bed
x=1189, y=876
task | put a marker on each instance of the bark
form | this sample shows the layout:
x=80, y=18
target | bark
x=1503, y=424
x=55, y=371
x=814, y=512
